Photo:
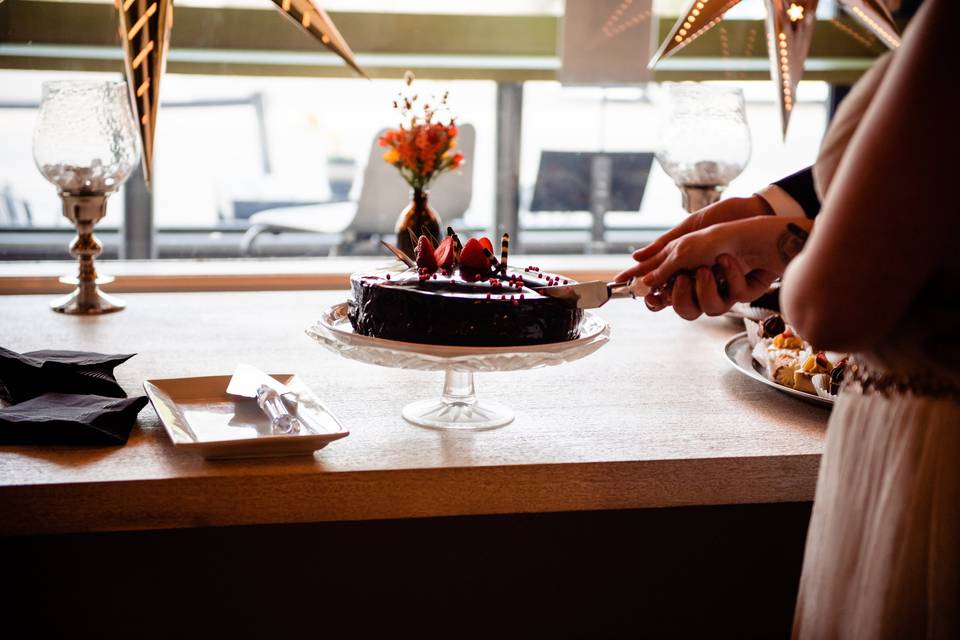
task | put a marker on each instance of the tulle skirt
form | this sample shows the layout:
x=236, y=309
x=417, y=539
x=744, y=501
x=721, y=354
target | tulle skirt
x=883, y=549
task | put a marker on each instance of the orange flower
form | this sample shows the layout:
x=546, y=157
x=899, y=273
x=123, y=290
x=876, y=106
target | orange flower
x=420, y=147
x=392, y=156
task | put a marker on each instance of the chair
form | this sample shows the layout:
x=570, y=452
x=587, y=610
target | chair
x=383, y=194
x=595, y=182
x=14, y=212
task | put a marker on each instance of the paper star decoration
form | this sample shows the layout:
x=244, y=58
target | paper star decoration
x=874, y=15
x=789, y=33
x=145, y=35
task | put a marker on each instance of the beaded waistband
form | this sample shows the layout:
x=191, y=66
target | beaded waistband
x=861, y=379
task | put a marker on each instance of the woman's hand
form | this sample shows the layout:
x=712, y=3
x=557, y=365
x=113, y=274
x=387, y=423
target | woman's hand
x=707, y=271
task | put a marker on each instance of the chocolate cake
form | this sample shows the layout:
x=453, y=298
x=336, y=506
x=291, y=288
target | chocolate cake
x=457, y=298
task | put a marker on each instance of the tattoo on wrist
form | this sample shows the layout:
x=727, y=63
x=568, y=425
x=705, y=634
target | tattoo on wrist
x=791, y=242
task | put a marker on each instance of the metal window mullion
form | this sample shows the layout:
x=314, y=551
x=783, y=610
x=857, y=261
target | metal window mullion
x=138, y=240
x=509, y=127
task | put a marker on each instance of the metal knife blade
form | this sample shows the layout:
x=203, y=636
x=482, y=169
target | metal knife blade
x=247, y=379
x=274, y=398
x=590, y=295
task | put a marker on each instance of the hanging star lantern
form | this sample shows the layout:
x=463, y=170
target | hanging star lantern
x=790, y=30
x=145, y=36
x=874, y=16
x=789, y=33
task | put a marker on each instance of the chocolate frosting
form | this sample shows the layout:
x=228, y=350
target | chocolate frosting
x=466, y=309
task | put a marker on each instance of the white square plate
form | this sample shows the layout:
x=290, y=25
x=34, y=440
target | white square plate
x=200, y=416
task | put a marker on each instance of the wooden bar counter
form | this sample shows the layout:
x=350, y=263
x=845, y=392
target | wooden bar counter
x=647, y=490
x=655, y=418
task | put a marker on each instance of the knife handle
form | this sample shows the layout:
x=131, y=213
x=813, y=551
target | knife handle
x=281, y=420
x=632, y=288
x=635, y=288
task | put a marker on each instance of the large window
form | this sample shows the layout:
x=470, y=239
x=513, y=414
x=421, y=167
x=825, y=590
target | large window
x=243, y=132
x=627, y=120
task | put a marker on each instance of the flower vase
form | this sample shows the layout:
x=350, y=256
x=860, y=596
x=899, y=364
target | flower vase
x=419, y=218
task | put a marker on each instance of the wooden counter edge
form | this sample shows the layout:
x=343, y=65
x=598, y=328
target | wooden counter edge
x=410, y=493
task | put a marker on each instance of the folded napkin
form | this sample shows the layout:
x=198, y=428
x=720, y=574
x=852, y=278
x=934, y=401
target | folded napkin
x=64, y=397
x=28, y=375
x=67, y=418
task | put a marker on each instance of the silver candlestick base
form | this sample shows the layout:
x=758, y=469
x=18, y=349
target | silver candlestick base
x=84, y=211
x=698, y=196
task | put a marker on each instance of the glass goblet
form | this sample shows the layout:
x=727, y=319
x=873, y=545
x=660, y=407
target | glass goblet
x=86, y=144
x=704, y=140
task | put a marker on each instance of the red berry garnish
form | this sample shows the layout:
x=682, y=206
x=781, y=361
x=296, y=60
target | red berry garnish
x=485, y=242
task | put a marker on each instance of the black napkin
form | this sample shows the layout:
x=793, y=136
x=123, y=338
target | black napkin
x=64, y=397
x=28, y=375
x=67, y=418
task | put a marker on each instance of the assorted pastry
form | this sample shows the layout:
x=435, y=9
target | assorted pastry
x=787, y=359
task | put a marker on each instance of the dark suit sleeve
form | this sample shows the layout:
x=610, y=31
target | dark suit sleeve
x=801, y=188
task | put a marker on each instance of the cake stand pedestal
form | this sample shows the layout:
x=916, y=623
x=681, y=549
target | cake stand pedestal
x=458, y=407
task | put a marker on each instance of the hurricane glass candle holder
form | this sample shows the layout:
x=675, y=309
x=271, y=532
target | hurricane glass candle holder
x=704, y=140
x=85, y=143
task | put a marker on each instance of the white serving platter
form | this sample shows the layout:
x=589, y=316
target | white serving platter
x=739, y=354
x=200, y=416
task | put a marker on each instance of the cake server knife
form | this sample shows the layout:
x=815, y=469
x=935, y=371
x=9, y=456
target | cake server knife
x=590, y=295
x=272, y=396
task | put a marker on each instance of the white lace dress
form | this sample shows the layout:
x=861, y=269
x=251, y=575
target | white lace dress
x=883, y=549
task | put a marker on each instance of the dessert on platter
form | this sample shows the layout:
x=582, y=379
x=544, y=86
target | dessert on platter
x=766, y=305
x=461, y=294
x=787, y=359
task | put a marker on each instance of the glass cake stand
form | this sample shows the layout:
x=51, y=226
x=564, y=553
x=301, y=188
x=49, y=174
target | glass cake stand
x=458, y=406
